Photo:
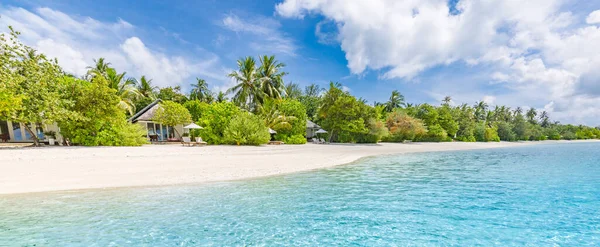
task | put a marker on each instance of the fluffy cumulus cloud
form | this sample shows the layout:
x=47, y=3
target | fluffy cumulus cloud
x=545, y=55
x=75, y=41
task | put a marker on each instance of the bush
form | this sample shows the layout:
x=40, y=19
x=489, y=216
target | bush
x=479, y=132
x=215, y=119
x=491, y=135
x=569, y=135
x=505, y=132
x=403, y=127
x=196, y=108
x=435, y=133
x=287, y=117
x=246, y=129
x=295, y=139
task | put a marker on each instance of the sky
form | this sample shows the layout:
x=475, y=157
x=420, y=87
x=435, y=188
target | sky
x=543, y=54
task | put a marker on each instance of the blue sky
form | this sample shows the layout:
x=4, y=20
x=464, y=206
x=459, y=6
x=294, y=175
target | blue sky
x=537, y=54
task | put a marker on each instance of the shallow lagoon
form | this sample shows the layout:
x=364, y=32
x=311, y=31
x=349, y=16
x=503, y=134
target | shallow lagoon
x=539, y=195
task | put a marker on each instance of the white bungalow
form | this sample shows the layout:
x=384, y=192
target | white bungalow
x=311, y=128
x=154, y=130
x=16, y=132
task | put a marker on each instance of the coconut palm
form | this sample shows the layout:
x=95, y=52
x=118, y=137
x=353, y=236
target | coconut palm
x=221, y=97
x=271, y=76
x=292, y=91
x=145, y=88
x=100, y=68
x=126, y=89
x=248, y=92
x=480, y=110
x=396, y=100
x=531, y=114
x=200, y=91
x=545, y=119
x=447, y=100
x=313, y=90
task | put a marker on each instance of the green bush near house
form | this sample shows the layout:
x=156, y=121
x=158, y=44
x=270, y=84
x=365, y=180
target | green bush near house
x=215, y=119
x=246, y=129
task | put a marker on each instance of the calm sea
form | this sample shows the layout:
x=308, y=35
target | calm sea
x=542, y=195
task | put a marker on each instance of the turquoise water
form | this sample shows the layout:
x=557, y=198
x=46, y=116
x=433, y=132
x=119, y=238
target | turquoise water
x=544, y=195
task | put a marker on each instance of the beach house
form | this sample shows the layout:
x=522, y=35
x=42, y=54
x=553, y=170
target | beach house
x=16, y=132
x=311, y=128
x=156, y=131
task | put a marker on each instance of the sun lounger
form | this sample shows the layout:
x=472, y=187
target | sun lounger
x=323, y=141
x=315, y=141
x=275, y=143
x=199, y=142
x=186, y=141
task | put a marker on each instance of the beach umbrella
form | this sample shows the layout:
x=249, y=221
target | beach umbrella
x=271, y=131
x=321, y=131
x=193, y=126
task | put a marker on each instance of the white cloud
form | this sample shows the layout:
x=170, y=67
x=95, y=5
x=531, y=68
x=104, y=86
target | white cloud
x=266, y=33
x=593, y=18
x=534, y=47
x=490, y=100
x=75, y=41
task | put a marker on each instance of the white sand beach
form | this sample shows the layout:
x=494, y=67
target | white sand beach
x=70, y=168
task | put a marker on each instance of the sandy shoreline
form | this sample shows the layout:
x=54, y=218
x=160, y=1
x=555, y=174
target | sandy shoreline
x=71, y=168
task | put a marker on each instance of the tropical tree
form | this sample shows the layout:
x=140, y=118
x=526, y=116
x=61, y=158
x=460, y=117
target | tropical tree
x=396, y=101
x=271, y=77
x=145, y=88
x=544, y=119
x=248, y=93
x=126, y=89
x=447, y=100
x=100, y=68
x=221, y=97
x=32, y=80
x=293, y=91
x=200, y=91
x=481, y=110
x=531, y=114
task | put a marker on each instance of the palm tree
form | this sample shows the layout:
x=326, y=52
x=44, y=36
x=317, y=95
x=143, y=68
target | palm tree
x=292, y=90
x=126, y=89
x=100, y=68
x=271, y=76
x=447, y=100
x=480, y=110
x=221, y=97
x=396, y=100
x=531, y=114
x=248, y=92
x=313, y=90
x=200, y=91
x=545, y=119
x=145, y=88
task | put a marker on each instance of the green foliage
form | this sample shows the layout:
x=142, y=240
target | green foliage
x=446, y=120
x=97, y=118
x=215, y=119
x=435, y=133
x=172, y=94
x=491, y=134
x=246, y=129
x=287, y=117
x=344, y=116
x=428, y=114
x=505, y=132
x=403, y=127
x=479, y=132
x=32, y=80
x=196, y=108
x=294, y=139
x=171, y=114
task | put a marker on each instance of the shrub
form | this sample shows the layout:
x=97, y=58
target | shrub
x=215, y=119
x=491, y=135
x=287, y=117
x=295, y=139
x=403, y=127
x=505, y=132
x=569, y=135
x=196, y=108
x=479, y=132
x=246, y=129
x=435, y=133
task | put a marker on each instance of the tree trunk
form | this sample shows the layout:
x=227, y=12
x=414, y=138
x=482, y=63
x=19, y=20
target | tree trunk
x=36, y=141
x=331, y=136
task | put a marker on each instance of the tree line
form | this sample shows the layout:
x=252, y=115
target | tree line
x=93, y=109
